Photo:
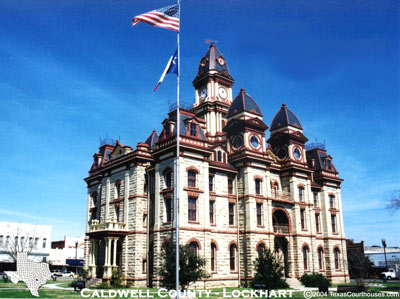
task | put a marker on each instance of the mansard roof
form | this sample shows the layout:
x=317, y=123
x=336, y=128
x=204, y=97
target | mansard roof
x=243, y=102
x=284, y=118
x=213, y=60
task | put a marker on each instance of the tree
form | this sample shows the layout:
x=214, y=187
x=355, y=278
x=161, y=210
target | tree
x=190, y=267
x=16, y=242
x=269, y=271
x=393, y=203
x=359, y=266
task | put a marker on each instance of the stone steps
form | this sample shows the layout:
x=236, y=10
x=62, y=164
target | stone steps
x=92, y=282
x=293, y=283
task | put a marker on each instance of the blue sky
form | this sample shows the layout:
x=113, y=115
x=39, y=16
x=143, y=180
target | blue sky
x=73, y=71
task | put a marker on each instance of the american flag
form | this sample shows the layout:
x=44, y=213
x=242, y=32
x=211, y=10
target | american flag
x=166, y=17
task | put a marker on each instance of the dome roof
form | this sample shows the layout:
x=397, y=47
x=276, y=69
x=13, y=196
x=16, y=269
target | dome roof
x=243, y=102
x=283, y=118
x=152, y=139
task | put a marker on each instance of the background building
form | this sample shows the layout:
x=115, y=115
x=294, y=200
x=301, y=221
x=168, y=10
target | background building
x=68, y=254
x=241, y=191
x=35, y=239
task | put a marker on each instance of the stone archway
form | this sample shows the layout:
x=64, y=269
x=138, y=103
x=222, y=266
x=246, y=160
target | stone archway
x=281, y=247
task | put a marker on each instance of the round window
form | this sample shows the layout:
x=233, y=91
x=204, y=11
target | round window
x=297, y=153
x=254, y=141
x=237, y=141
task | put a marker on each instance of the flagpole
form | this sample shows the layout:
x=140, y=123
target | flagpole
x=177, y=158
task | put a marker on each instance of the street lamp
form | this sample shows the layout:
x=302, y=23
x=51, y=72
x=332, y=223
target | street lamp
x=384, y=250
x=76, y=257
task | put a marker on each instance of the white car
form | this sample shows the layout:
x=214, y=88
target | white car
x=68, y=274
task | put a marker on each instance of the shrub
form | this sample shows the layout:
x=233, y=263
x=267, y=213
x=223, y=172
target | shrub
x=103, y=285
x=315, y=280
x=116, y=277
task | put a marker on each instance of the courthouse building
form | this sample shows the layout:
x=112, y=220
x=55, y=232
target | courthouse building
x=240, y=191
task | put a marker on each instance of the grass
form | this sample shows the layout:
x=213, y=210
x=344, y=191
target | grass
x=11, y=290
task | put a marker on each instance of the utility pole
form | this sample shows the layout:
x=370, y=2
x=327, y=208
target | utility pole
x=384, y=251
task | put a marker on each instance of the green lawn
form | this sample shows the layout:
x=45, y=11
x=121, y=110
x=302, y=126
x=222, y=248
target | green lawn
x=11, y=290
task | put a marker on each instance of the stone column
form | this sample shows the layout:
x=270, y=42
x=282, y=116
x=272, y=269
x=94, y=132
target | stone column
x=114, y=263
x=107, y=216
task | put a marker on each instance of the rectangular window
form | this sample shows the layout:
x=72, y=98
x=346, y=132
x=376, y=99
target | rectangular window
x=211, y=183
x=231, y=214
x=193, y=129
x=118, y=189
x=230, y=186
x=329, y=164
x=258, y=186
x=44, y=242
x=36, y=242
x=317, y=224
x=117, y=213
x=316, y=200
x=259, y=214
x=168, y=209
x=192, y=209
x=333, y=219
x=303, y=220
x=191, y=179
x=144, y=219
x=212, y=211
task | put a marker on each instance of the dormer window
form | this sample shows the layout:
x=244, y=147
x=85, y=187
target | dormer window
x=193, y=130
x=329, y=164
x=219, y=156
x=167, y=130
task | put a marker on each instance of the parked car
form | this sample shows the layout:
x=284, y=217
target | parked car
x=68, y=274
x=57, y=272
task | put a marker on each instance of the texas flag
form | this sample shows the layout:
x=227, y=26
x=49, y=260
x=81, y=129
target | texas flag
x=172, y=67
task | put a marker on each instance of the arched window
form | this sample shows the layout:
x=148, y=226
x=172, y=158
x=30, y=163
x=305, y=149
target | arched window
x=275, y=190
x=193, y=129
x=305, y=258
x=168, y=179
x=16, y=241
x=7, y=241
x=22, y=240
x=191, y=178
x=213, y=257
x=211, y=183
x=44, y=242
x=1, y=240
x=94, y=199
x=258, y=186
x=193, y=247
x=232, y=257
x=321, y=258
x=336, y=253
x=118, y=189
x=30, y=242
x=260, y=248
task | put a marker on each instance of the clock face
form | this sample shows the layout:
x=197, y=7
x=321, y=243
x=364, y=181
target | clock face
x=236, y=141
x=221, y=60
x=222, y=93
x=297, y=153
x=203, y=93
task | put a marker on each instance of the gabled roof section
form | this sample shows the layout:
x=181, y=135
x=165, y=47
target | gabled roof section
x=284, y=118
x=243, y=102
x=119, y=150
x=152, y=140
x=213, y=60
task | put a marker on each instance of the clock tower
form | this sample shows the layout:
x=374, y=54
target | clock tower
x=213, y=92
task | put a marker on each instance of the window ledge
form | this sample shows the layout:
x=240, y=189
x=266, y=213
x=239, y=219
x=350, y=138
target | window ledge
x=193, y=222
